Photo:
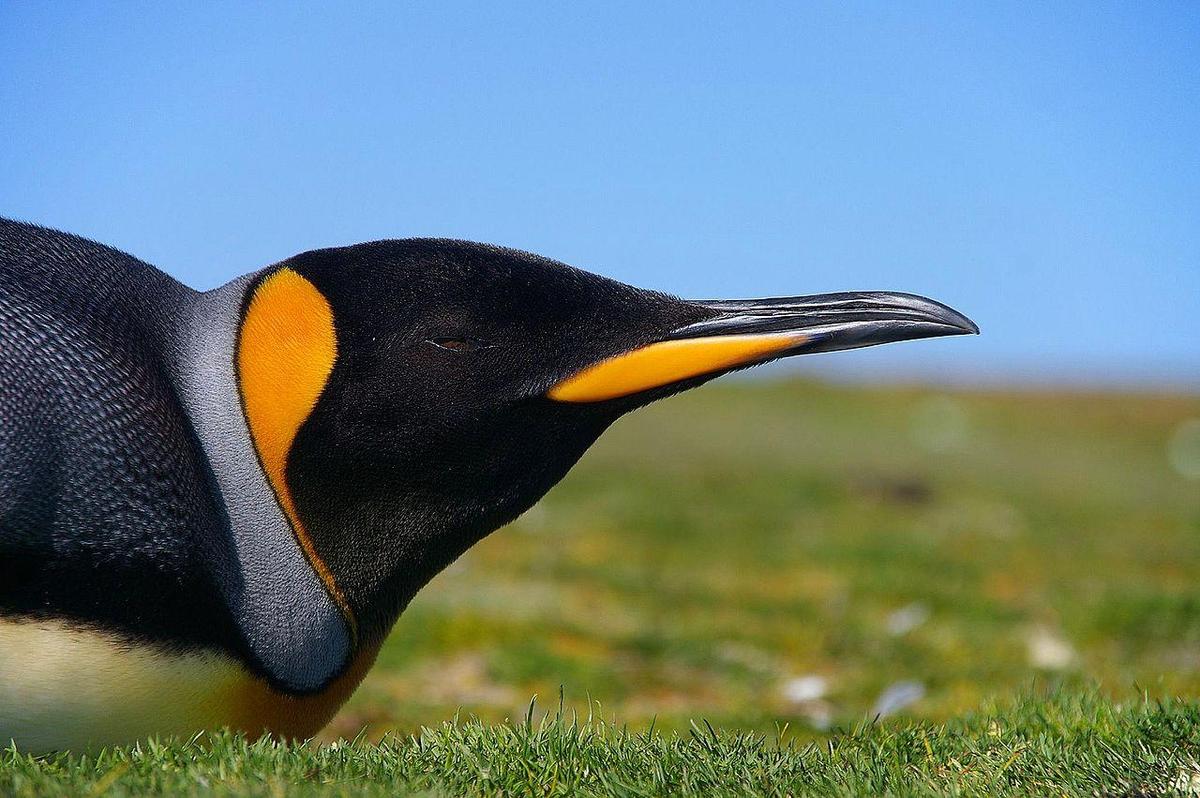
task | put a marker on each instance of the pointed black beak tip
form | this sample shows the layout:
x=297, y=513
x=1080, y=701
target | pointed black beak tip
x=899, y=306
x=962, y=324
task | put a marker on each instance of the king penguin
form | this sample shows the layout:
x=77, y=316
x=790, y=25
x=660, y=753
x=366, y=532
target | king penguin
x=215, y=505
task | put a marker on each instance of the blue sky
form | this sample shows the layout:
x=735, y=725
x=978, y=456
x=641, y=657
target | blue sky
x=1035, y=165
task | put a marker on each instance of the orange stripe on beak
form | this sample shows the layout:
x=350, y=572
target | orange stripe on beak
x=666, y=362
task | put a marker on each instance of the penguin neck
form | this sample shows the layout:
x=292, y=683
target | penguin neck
x=289, y=621
x=386, y=536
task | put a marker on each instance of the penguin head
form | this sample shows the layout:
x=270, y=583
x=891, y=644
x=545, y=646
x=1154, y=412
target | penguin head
x=408, y=397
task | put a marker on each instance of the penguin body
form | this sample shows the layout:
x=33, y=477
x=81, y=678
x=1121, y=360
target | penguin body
x=214, y=506
x=122, y=539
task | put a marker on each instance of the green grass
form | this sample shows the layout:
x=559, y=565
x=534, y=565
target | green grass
x=1057, y=746
x=714, y=549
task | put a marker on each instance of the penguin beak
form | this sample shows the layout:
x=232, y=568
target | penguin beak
x=742, y=333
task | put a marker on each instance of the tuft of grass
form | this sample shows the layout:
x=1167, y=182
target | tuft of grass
x=1060, y=744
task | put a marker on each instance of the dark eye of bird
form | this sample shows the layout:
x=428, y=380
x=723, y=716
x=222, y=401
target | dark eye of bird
x=458, y=344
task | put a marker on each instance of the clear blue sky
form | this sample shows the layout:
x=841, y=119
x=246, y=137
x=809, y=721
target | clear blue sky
x=1035, y=165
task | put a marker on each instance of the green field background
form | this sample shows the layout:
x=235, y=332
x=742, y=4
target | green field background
x=760, y=553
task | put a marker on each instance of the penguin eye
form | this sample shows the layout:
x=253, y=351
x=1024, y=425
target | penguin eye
x=459, y=344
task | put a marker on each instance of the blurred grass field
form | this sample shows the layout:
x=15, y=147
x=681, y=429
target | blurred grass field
x=766, y=552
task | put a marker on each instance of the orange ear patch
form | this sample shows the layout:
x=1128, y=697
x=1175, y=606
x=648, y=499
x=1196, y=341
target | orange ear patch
x=286, y=350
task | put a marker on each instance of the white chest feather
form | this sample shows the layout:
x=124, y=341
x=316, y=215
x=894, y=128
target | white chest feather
x=68, y=688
